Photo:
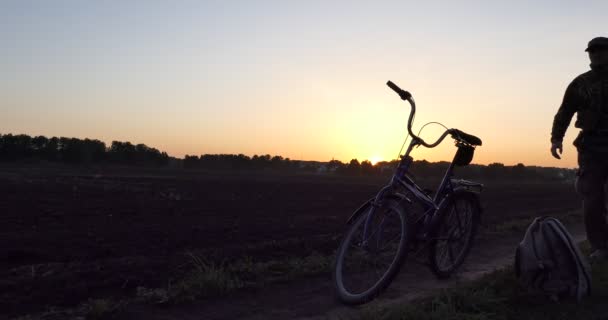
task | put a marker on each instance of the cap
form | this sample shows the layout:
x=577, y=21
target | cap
x=597, y=42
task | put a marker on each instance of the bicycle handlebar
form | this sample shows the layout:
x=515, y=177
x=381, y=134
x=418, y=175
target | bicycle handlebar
x=402, y=93
x=455, y=133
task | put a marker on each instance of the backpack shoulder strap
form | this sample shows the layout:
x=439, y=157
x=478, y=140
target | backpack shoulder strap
x=584, y=270
x=528, y=264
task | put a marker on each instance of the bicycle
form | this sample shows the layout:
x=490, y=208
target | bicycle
x=384, y=229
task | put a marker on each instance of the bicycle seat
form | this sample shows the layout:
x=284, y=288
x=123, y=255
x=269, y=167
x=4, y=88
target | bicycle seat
x=465, y=137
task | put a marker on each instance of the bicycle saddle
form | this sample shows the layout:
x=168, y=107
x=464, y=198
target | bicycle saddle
x=465, y=137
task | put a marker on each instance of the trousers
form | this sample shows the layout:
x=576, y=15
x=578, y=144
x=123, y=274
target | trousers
x=590, y=183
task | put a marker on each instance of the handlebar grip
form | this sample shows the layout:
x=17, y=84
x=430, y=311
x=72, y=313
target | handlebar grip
x=402, y=93
x=393, y=86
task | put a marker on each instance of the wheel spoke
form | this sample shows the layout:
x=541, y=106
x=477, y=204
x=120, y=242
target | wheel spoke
x=451, y=254
x=366, y=263
x=458, y=216
x=454, y=236
x=397, y=237
x=443, y=255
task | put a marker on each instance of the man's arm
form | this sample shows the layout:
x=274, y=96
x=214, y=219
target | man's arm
x=562, y=119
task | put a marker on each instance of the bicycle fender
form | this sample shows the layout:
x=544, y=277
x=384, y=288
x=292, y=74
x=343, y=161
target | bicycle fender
x=473, y=195
x=360, y=210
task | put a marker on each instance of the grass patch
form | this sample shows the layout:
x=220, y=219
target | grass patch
x=99, y=309
x=93, y=309
x=281, y=270
x=500, y=296
x=207, y=279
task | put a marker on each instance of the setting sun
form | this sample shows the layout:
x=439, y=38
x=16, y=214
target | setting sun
x=375, y=159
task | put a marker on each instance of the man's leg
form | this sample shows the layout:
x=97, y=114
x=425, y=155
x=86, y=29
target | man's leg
x=590, y=182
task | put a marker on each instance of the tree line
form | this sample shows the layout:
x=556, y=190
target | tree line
x=23, y=147
x=419, y=168
x=426, y=169
x=239, y=162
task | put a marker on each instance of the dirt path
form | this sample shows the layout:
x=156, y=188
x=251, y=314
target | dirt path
x=312, y=298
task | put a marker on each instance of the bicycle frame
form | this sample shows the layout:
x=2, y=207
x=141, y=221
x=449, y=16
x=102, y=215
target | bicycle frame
x=449, y=216
x=433, y=206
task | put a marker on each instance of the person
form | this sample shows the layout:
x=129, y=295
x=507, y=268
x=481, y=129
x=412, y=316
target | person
x=587, y=96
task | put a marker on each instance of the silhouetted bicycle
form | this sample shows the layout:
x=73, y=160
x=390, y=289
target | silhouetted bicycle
x=384, y=229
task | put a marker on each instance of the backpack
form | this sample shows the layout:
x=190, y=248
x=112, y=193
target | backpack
x=548, y=260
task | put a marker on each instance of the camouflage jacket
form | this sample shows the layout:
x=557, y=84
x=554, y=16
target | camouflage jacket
x=587, y=95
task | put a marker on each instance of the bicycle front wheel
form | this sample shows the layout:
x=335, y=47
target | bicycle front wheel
x=365, y=266
x=453, y=238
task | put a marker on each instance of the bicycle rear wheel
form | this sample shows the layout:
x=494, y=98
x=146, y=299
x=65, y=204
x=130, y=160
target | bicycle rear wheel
x=365, y=267
x=453, y=238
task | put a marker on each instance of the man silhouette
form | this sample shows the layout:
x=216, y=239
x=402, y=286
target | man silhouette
x=587, y=95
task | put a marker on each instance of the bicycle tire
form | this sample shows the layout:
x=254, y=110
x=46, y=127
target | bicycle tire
x=467, y=237
x=347, y=295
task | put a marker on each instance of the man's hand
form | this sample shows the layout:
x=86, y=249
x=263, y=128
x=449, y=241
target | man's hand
x=555, y=147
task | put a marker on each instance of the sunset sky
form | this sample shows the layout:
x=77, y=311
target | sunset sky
x=301, y=79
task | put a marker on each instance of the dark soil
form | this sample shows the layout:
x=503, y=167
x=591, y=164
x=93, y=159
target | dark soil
x=68, y=234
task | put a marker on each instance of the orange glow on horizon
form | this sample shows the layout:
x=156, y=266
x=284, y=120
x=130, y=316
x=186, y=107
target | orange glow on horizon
x=375, y=159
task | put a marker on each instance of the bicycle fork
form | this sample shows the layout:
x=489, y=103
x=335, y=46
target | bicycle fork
x=375, y=204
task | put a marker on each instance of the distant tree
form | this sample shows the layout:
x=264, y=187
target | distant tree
x=164, y=159
x=276, y=162
x=288, y=164
x=354, y=167
x=39, y=144
x=14, y=147
x=93, y=151
x=367, y=168
x=122, y=152
x=191, y=161
x=241, y=162
x=261, y=162
x=519, y=170
x=51, y=150
x=495, y=170
x=24, y=145
x=74, y=150
x=496, y=165
x=335, y=165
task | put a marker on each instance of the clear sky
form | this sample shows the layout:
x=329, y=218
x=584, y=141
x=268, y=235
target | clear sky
x=301, y=79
